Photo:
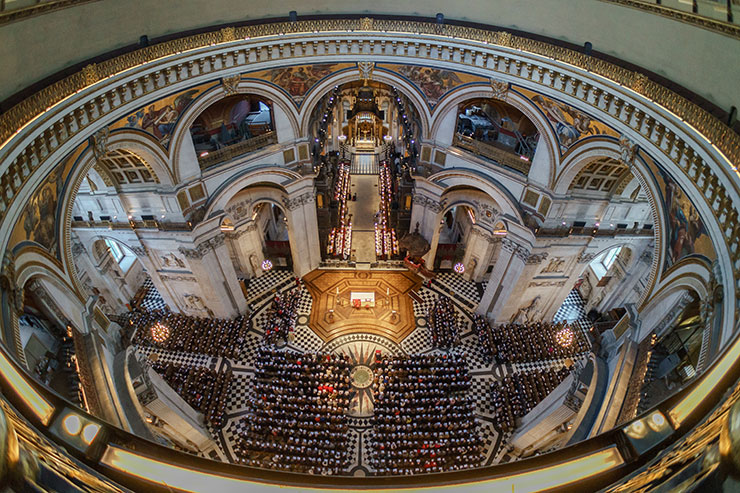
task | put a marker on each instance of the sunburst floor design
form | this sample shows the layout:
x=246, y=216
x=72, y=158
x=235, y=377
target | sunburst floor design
x=362, y=350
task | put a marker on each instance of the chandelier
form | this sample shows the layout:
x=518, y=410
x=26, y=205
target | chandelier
x=564, y=336
x=266, y=265
x=160, y=332
x=459, y=268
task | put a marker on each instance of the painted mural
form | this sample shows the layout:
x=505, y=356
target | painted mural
x=570, y=124
x=685, y=231
x=298, y=80
x=433, y=82
x=38, y=222
x=159, y=118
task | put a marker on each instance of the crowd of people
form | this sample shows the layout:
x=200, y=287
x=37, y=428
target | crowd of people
x=516, y=343
x=282, y=316
x=204, y=389
x=443, y=324
x=485, y=337
x=424, y=421
x=211, y=336
x=517, y=394
x=298, y=416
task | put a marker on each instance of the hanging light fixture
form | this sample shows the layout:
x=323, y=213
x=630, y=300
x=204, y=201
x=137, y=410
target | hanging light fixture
x=459, y=268
x=564, y=336
x=160, y=332
x=266, y=265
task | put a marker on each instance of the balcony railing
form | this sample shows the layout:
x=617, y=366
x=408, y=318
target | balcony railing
x=119, y=225
x=233, y=151
x=493, y=153
x=593, y=231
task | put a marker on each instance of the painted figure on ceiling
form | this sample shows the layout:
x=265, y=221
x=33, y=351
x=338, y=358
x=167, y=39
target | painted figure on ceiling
x=570, y=124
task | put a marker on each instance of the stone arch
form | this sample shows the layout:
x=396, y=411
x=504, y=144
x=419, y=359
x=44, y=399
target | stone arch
x=217, y=93
x=32, y=265
x=543, y=165
x=273, y=175
x=579, y=157
x=146, y=147
x=690, y=275
x=351, y=75
x=453, y=177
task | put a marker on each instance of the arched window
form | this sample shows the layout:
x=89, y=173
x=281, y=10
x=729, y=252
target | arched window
x=115, y=250
x=601, y=264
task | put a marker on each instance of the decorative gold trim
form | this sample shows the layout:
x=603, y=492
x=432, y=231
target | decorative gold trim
x=40, y=8
x=726, y=28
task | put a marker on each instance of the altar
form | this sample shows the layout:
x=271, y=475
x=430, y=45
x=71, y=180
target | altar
x=360, y=299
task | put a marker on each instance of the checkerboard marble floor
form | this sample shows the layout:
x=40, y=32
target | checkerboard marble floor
x=152, y=300
x=465, y=296
x=571, y=309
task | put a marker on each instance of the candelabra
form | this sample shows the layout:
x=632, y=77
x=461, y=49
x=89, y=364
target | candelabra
x=340, y=237
x=386, y=243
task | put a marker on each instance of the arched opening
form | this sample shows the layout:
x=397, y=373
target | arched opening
x=231, y=127
x=489, y=128
x=454, y=229
x=365, y=118
x=110, y=271
x=257, y=232
x=672, y=353
x=51, y=337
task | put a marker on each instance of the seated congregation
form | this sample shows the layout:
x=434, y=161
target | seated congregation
x=297, y=411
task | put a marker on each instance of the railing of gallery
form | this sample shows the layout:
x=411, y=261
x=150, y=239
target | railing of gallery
x=717, y=15
x=11, y=10
x=212, y=158
x=488, y=151
x=587, y=466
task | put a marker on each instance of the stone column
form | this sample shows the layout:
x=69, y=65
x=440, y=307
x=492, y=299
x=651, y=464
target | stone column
x=426, y=212
x=303, y=232
x=247, y=246
x=505, y=274
x=211, y=265
x=478, y=248
x=115, y=301
x=142, y=253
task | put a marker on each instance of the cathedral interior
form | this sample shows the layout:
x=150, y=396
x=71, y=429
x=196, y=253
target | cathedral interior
x=495, y=248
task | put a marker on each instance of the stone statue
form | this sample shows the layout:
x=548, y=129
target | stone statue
x=171, y=260
x=556, y=265
x=527, y=313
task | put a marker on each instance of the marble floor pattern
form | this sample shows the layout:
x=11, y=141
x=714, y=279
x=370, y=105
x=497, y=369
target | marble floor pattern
x=361, y=348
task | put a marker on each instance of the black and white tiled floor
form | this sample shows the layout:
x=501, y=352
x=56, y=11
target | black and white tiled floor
x=465, y=296
x=152, y=300
x=571, y=309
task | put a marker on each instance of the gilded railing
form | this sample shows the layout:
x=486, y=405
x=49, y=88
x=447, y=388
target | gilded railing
x=492, y=152
x=10, y=13
x=727, y=25
x=613, y=92
x=715, y=131
x=224, y=154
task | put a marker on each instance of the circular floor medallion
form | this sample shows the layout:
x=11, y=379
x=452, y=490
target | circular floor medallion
x=361, y=376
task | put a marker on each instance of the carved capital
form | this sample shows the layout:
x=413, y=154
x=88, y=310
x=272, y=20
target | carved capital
x=585, y=258
x=500, y=89
x=628, y=150
x=515, y=248
x=537, y=258
x=193, y=253
x=230, y=84
x=140, y=251
x=294, y=203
